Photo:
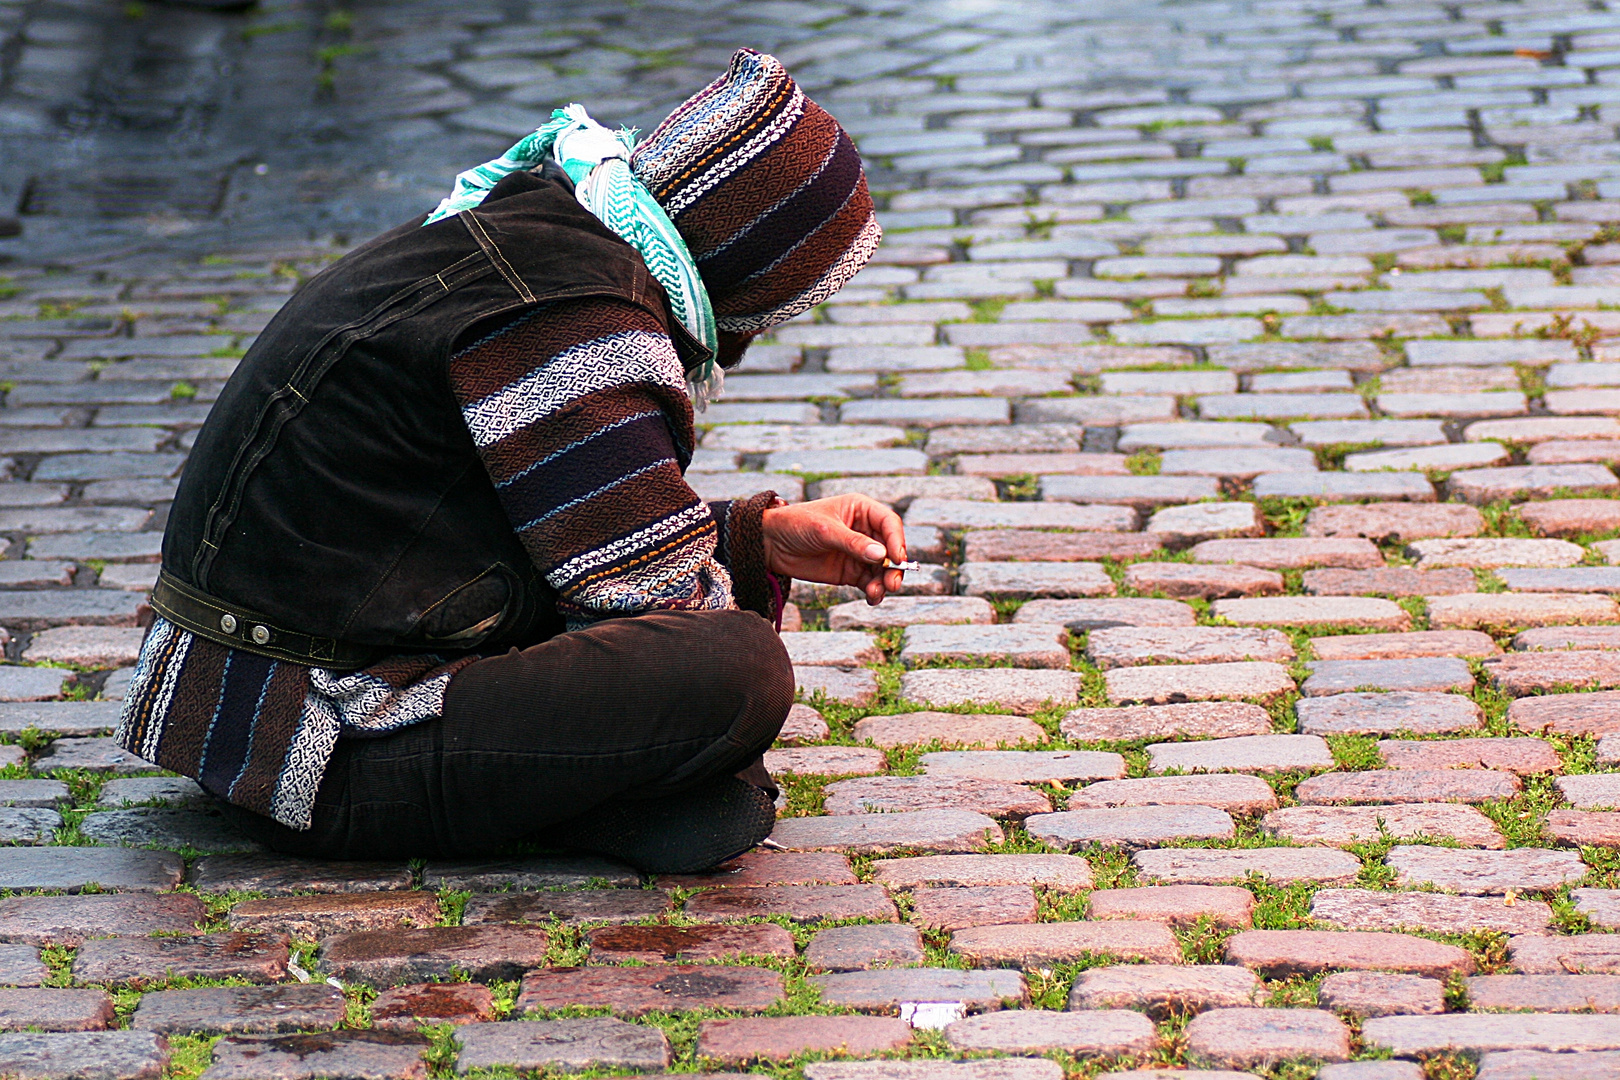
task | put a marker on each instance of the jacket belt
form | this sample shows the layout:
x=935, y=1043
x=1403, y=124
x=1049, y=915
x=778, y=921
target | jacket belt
x=242, y=628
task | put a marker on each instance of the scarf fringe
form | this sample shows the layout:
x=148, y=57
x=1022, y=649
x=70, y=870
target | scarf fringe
x=705, y=390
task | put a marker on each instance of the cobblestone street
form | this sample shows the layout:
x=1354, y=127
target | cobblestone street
x=1247, y=373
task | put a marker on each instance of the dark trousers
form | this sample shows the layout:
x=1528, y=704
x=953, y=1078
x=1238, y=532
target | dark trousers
x=631, y=708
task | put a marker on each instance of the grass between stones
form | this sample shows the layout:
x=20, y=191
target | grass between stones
x=1277, y=906
x=1288, y=906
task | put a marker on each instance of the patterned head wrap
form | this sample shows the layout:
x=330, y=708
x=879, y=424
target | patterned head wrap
x=767, y=191
x=748, y=203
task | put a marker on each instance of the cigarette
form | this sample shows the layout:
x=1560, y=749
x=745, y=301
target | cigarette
x=889, y=565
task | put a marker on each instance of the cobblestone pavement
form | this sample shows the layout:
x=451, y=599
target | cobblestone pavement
x=1247, y=373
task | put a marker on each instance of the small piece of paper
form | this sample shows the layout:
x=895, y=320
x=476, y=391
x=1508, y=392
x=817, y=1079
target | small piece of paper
x=932, y=1015
x=297, y=972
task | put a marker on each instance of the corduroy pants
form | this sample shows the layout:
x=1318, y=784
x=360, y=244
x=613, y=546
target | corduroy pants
x=631, y=708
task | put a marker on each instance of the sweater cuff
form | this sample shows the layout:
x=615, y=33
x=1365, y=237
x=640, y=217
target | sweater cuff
x=742, y=543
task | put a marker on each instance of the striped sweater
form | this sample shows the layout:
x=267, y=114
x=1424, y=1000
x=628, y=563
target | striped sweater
x=579, y=412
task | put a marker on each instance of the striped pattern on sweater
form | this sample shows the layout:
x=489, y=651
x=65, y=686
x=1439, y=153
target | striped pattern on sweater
x=259, y=732
x=766, y=189
x=580, y=414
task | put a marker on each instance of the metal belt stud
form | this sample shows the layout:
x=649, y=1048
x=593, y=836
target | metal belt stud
x=227, y=623
x=261, y=635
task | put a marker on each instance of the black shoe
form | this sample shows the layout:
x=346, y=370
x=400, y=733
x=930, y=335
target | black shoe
x=677, y=834
x=10, y=226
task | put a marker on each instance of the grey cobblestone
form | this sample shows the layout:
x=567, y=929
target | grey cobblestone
x=1144, y=266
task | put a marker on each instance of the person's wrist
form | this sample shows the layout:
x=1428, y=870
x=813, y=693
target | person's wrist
x=767, y=529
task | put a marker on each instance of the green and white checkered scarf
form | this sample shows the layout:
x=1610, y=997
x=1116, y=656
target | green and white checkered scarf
x=598, y=161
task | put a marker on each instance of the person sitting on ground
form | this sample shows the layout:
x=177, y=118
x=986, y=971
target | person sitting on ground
x=433, y=582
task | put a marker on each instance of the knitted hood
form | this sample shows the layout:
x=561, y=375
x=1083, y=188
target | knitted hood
x=767, y=191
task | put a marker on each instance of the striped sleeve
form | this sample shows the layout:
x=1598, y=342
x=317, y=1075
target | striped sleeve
x=580, y=413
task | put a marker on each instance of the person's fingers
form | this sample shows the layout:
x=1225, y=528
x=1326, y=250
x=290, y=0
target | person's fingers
x=879, y=521
x=862, y=574
x=856, y=545
x=894, y=535
x=878, y=583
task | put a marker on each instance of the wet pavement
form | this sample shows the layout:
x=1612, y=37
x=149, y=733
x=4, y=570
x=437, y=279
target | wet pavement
x=1246, y=373
x=323, y=121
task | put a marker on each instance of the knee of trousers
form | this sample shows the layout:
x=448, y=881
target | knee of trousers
x=758, y=680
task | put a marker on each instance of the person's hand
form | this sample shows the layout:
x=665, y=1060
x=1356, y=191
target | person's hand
x=837, y=541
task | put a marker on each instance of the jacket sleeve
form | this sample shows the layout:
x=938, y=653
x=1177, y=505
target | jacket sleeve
x=579, y=411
